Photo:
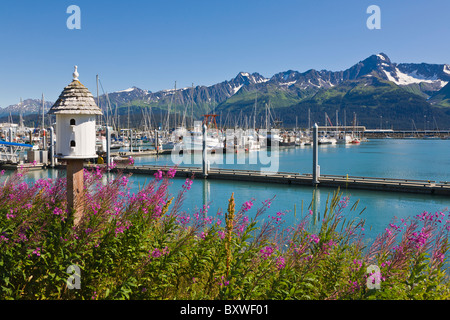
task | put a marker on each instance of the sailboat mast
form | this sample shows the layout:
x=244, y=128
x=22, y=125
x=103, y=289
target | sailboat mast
x=98, y=100
x=43, y=111
x=309, y=118
x=337, y=122
x=254, y=115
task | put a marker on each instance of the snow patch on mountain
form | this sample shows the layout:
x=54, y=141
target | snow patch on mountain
x=126, y=90
x=288, y=83
x=403, y=79
x=236, y=89
x=447, y=69
x=262, y=80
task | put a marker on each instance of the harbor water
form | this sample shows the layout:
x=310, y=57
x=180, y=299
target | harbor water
x=389, y=158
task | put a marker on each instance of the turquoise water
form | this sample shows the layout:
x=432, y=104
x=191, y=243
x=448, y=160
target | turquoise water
x=390, y=158
x=393, y=158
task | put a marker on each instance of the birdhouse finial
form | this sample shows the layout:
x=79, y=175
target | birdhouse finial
x=75, y=73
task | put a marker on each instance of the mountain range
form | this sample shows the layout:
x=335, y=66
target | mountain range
x=375, y=91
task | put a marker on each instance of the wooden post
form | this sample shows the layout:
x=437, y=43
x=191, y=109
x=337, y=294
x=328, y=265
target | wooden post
x=75, y=189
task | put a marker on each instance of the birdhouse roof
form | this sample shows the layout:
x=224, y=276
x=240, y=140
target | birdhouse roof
x=75, y=99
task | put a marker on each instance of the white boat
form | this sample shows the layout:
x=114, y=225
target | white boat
x=327, y=140
x=344, y=138
x=355, y=141
x=273, y=136
x=193, y=141
x=252, y=142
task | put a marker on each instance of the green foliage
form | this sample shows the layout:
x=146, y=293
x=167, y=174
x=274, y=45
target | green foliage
x=137, y=246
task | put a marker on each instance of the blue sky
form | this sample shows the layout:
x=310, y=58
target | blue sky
x=151, y=44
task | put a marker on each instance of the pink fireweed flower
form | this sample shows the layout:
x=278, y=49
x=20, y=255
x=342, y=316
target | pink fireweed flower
x=266, y=252
x=358, y=263
x=344, y=202
x=130, y=160
x=247, y=206
x=120, y=228
x=158, y=175
x=224, y=283
x=420, y=239
x=187, y=185
x=207, y=220
x=277, y=218
x=242, y=226
x=328, y=245
x=384, y=264
x=353, y=285
x=157, y=253
x=22, y=237
x=280, y=263
x=57, y=211
x=313, y=238
x=124, y=181
x=112, y=165
x=171, y=173
x=184, y=219
x=10, y=216
x=37, y=252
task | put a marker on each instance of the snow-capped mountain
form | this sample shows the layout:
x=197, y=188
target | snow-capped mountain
x=26, y=107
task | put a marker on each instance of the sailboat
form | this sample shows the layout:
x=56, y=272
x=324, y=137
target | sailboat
x=325, y=138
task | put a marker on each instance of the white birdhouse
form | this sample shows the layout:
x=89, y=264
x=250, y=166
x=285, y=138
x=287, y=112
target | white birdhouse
x=75, y=112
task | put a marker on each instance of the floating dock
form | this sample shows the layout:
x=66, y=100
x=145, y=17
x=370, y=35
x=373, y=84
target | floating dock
x=332, y=181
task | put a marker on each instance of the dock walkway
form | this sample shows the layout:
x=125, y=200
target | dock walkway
x=333, y=181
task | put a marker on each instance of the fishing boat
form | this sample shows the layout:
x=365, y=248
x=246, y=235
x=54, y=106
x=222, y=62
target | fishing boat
x=327, y=140
x=344, y=138
x=287, y=140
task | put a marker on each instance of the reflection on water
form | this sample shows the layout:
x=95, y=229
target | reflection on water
x=393, y=158
x=389, y=158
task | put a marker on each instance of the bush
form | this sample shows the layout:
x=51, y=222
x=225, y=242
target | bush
x=143, y=246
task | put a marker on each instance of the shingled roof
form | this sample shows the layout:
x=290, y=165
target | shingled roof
x=75, y=99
